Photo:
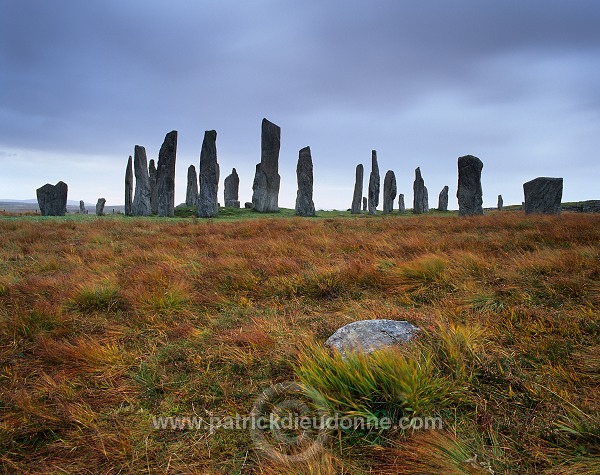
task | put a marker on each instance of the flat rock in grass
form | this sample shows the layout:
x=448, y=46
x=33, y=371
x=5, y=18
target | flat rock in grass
x=371, y=335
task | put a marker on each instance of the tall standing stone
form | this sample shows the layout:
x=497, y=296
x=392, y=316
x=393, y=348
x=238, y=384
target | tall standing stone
x=165, y=175
x=82, y=209
x=129, y=188
x=191, y=194
x=141, y=199
x=443, y=199
x=365, y=203
x=420, y=194
x=304, y=173
x=232, y=190
x=500, y=203
x=469, y=193
x=401, y=205
x=374, y=184
x=389, y=191
x=543, y=195
x=208, y=205
x=52, y=199
x=153, y=188
x=100, y=207
x=358, y=189
x=265, y=189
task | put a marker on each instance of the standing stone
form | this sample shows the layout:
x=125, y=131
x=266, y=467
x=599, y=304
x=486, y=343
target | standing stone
x=208, y=206
x=358, y=189
x=543, y=195
x=52, y=199
x=100, y=207
x=129, y=188
x=443, y=199
x=232, y=190
x=365, y=203
x=265, y=189
x=500, y=203
x=401, y=205
x=304, y=173
x=374, y=184
x=191, y=195
x=153, y=189
x=420, y=194
x=165, y=175
x=389, y=191
x=82, y=207
x=141, y=200
x=469, y=193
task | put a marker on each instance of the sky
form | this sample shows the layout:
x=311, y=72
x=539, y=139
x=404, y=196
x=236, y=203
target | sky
x=516, y=83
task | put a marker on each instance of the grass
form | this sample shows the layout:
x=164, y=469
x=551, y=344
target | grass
x=108, y=322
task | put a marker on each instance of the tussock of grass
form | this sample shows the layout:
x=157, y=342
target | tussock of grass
x=101, y=298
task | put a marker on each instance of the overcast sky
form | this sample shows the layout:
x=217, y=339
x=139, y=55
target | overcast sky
x=514, y=82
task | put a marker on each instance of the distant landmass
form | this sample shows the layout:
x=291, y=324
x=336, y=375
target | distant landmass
x=24, y=206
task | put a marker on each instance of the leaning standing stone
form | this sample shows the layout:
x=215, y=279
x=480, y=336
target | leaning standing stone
x=165, y=179
x=153, y=189
x=52, y=199
x=100, y=207
x=543, y=195
x=469, y=194
x=358, y=189
x=232, y=190
x=129, y=188
x=500, y=203
x=401, y=205
x=141, y=200
x=443, y=199
x=389, y=191
x=265, y=189
x=208, y=205
x=374, y=184
x=304, y=173
x=420, y=198
x=191, y=195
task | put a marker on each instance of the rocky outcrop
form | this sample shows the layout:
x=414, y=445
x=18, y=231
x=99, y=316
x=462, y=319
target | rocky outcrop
x=165, y=175
x=358, y=189
x=232, y=190
x=129, y=188
x=389, y=191
x=141, y=200
x=469, y=193
x=543, y=195
x=304, y=173
x=100, y=207
x=208, y=204
x=52, y=199
x=265, y=189
x=443, y=199
x=420, y=194
x=191, y=194
x=374, y=184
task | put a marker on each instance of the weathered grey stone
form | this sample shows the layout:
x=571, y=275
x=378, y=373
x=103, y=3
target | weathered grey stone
x=165, y=175
x=420, y=194
x=374, y=184
x=232, y=189
x=365, y=203
x=100, y=207
x=208, y=206
x=469, y=193
x=500, y=203
x=443, y=199
x=191, y=194
x=401, y=205
x=129, y=188
x=543, y=195
x=248, y=205
x=265, y=189
x=52, y=199
x=358, y=189
x=389, y=191
x=141, y=199
x=82, y=209
x=304, y=173
x=370, y=335
x=153, y=188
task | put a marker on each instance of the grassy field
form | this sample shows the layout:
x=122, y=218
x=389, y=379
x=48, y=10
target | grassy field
x=107, y=323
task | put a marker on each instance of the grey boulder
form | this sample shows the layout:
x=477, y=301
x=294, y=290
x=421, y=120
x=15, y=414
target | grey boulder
x=52, y=199
x=543, y=195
